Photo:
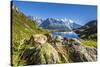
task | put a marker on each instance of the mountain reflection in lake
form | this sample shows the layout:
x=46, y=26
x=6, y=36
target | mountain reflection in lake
x=68, y=35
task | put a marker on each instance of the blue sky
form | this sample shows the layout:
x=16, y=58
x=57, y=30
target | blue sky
x=78, y=13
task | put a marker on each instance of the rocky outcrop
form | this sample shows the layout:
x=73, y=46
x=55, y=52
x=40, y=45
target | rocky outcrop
x=79, y=53
x=41, y=51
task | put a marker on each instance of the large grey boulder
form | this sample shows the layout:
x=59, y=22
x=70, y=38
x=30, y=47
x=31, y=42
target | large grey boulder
x=40, y=52
x=80, y=53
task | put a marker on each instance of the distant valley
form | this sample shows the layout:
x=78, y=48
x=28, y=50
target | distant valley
x=89, y=30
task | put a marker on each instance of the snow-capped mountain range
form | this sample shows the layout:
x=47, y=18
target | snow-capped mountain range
x=55, y=23
x=38, y=20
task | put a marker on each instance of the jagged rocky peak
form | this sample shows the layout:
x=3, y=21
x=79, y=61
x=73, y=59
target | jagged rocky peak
x=51, y=23
x=38, y=20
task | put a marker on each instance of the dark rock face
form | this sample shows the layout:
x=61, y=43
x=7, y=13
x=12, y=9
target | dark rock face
x=89, y=30
x=43, y=52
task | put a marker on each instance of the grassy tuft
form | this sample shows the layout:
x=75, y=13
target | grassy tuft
x=91, y=43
